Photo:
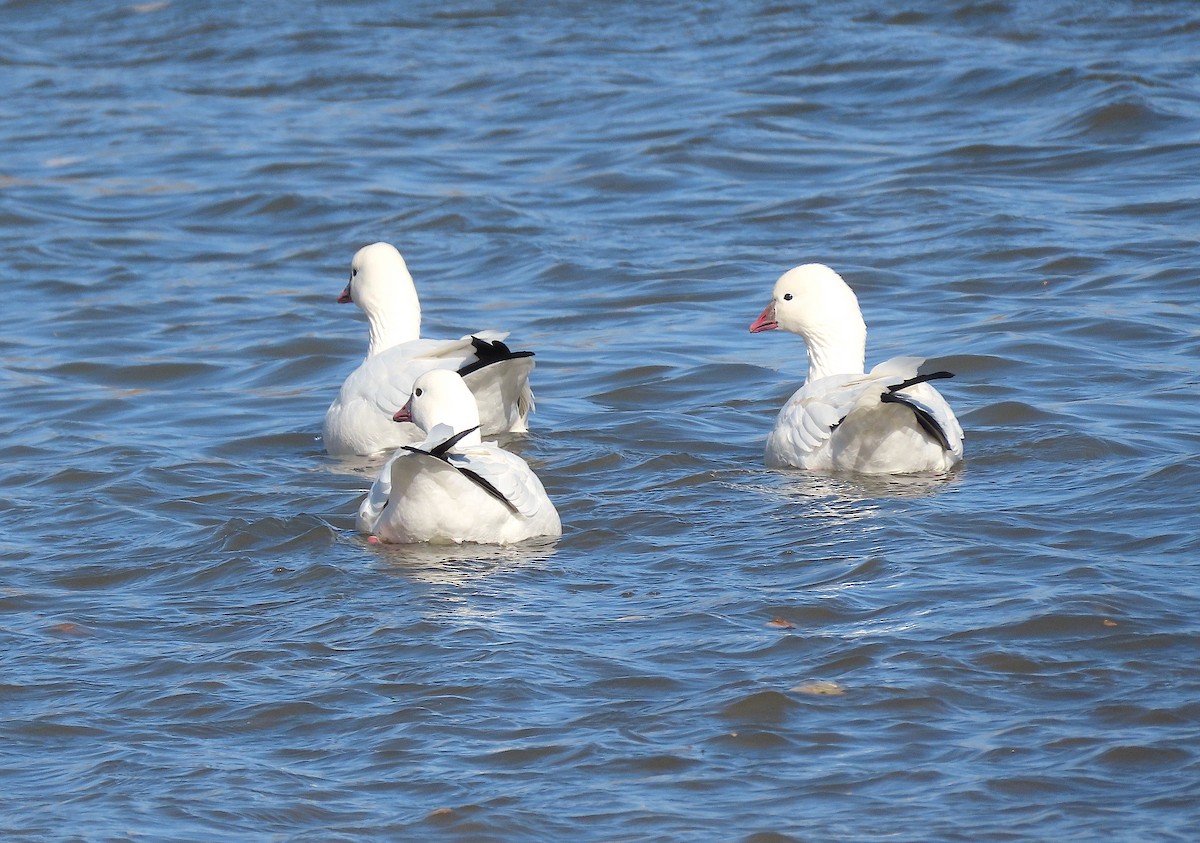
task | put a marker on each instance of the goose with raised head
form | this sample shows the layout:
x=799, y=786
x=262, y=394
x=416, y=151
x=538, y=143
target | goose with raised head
x=886, y=421
x=359, y=421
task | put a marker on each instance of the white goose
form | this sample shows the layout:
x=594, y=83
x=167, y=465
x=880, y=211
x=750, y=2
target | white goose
x=453, y=487
x=359, y=421
x=887, y=421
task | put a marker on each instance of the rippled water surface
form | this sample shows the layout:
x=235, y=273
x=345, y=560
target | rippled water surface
x=196, y=645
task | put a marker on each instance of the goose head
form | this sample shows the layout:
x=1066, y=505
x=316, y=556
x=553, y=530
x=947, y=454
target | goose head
x=440, y=396
x=814, y=302
x=383, y=289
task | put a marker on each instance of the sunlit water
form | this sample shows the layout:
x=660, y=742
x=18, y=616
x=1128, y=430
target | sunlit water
x=197, y=646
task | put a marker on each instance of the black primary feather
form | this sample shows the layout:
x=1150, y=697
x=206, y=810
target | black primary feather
x=439, y=451
x=489, y=352
x=487, y=487
x=928, y=423
x=932, y=376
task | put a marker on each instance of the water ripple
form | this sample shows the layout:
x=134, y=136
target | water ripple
x=199, y=645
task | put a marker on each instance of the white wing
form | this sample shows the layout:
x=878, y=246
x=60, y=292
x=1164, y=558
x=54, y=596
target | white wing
x=372, y=506
x=503, y=393
x=811, y=415
x=377, y=498
x=386, y=379
x=505, y=472
x=925, y=398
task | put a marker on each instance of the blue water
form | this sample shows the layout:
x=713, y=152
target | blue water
x=196, y=645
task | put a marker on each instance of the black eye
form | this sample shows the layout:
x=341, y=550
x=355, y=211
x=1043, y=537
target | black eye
x=354, y=273
x=787, y=296
x=417, y=393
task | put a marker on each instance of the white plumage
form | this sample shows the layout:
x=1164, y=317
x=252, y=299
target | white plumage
x=887, y=421
x=359, y=421
x=453, y=487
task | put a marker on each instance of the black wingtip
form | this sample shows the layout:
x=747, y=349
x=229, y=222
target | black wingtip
x=488, y=352
x=486, y=485
x=932, y=376
x=928, y=423
x=441, y=450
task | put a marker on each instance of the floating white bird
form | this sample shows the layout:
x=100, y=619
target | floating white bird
x=359, y=421
x=887, y=421
x=453, y=487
